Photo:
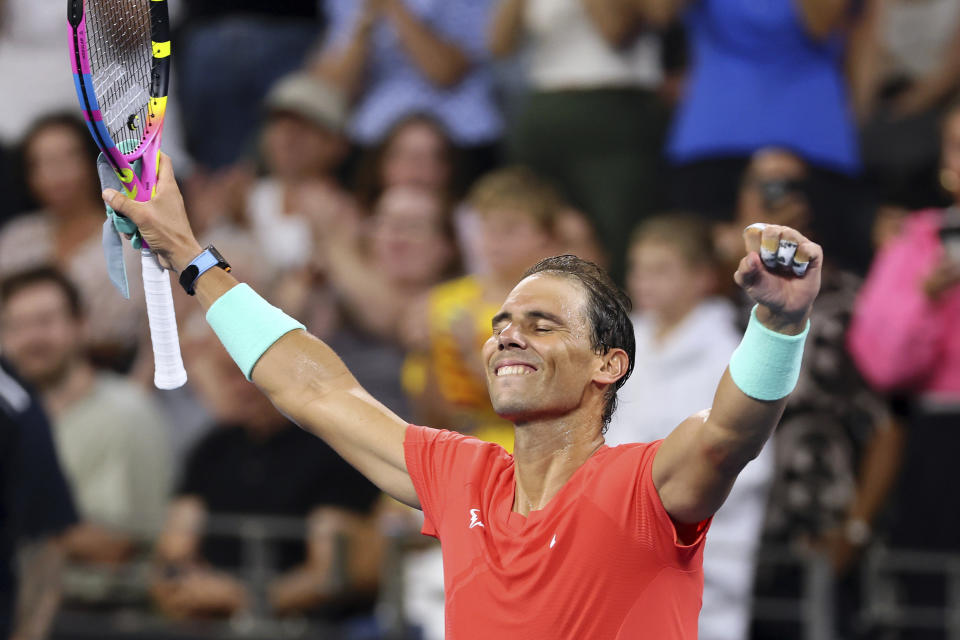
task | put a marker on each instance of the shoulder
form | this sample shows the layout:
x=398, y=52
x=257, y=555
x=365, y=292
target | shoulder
x=26, y=223
x=454, y=451
x=626, y=461
x=417, y=435
x=25, y=242
x=14, y=398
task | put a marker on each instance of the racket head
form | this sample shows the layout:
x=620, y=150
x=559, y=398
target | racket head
x=120, y=56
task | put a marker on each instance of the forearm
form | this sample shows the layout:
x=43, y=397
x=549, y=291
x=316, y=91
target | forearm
x=615, y=20
x=441, y=61
x=506, y=27
x=823, y=17
x=743, y=423
x=309, y=383
x=284, y=374
x=944, y=79
x=878, y=472
x=39, y=594
x=864, y=61
x=87, y=542
x=346, y=67
x=698, y=463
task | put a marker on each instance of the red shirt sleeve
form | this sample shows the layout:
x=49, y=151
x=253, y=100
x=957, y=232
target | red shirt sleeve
x=657, y=528
x=438, y=460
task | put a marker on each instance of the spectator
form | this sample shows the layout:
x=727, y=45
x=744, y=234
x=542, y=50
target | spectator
x=518, y=213
x=235, y=470
x=35, y=509
x=416, y=152
x=904, y=338
x=109, y=434
x=409, y=247
x=231, y=53
x=685, y=337
x=770, y=74
x=837, y=448
x=59, y=163
x=908, y=76
x=302, y=146
x=398, y=57
x=593, y=121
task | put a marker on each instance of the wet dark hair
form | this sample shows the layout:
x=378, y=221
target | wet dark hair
x=16, y=282
x=608, y=309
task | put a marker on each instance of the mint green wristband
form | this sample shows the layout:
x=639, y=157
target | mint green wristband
x=247, y=325
x=766, y=365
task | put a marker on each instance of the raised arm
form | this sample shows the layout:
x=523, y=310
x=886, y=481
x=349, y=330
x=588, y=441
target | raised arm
x=699, y=461
x=38, y=597
x=346, y=64
x=442, y=61
x=301, y=375
x=506, y=28
x=823, y=17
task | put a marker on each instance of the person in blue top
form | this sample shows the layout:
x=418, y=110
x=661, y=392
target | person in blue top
x=766, y=74
x=397, y=57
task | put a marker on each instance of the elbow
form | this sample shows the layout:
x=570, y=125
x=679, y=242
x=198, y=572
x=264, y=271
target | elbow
x=500, y=51
x=501, y=47
x=450, y=73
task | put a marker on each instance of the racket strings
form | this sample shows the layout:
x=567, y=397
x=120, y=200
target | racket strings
x=121, y=57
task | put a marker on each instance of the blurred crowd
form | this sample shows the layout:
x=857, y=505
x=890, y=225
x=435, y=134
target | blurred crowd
x=385, y=171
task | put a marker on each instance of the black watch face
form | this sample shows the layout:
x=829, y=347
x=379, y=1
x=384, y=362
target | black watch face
x=216, y=254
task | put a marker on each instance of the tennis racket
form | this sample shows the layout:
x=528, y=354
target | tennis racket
x=120, y=54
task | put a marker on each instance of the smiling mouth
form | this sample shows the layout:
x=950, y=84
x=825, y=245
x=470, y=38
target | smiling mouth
x=514, y=370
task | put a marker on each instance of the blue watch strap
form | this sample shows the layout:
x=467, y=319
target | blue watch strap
x=206, y=260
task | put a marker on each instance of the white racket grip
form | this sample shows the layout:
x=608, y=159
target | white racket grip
x=168, y=364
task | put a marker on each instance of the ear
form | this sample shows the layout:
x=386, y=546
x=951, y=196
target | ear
x=614, y=365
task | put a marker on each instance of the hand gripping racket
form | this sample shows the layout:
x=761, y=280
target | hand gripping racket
x=120, y=53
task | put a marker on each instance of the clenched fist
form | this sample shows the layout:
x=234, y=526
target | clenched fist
x=781, y=273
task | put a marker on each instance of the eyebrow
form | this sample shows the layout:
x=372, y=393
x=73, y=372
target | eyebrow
x=542, y=315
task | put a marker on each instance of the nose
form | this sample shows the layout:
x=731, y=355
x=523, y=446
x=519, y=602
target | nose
x=511, y=336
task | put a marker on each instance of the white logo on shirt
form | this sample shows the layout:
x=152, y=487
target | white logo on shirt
x=553, y=541
x=475, y=518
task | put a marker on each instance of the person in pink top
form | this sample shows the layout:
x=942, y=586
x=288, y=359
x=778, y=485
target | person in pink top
x=905, y=338
x=904, y=334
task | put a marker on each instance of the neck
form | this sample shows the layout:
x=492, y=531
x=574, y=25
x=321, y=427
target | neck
x=69, y=389
x=546, y=454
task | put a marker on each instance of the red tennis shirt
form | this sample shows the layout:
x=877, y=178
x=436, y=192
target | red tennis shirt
x=600, y=562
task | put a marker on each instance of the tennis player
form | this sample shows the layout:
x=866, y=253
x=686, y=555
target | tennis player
x=566, y=538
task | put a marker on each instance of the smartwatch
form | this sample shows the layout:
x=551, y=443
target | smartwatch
x=207, y=259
